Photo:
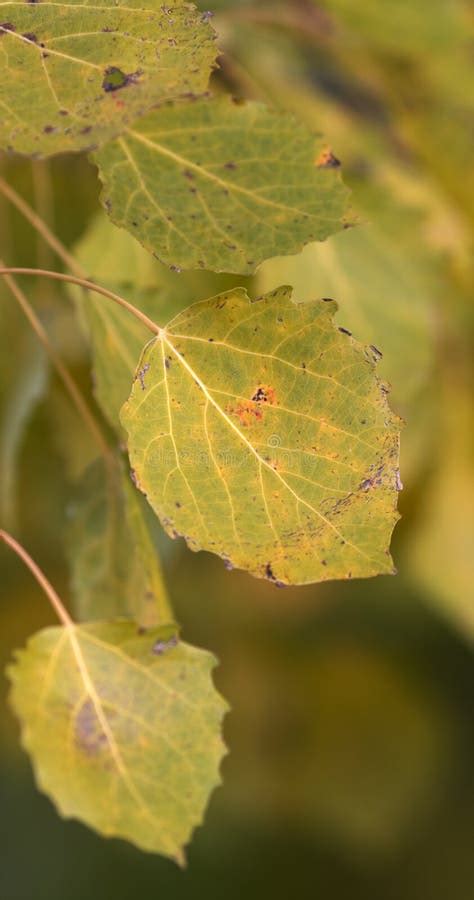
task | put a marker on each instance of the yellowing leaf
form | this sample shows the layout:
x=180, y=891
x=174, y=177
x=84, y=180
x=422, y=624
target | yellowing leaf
x=112, y=257
x=72, y=74
x=123, y=729
x=215, y=185
x=114, y=560
x=260, y=432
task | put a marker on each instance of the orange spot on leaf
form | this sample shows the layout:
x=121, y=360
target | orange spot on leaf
x=327, y=160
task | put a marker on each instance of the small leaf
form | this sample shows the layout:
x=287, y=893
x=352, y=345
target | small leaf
x=73, y=75
x=123, y=729
x=260, y=432
x=215, y=185
x=114, y=560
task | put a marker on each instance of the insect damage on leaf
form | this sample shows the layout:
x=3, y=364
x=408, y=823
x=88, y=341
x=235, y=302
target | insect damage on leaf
x=272, y=444
x=121, y=736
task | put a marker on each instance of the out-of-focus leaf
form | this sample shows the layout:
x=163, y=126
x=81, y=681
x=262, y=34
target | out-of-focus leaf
x=114, y=560
x=217, y=185
x=418, y=65
x=76, y=445
x=385, y=298
x=123, y=729
x=74, y=74
x=260, y=432
x=26, y=388
x=398, y=27
x=116, y=338
x=441, y=554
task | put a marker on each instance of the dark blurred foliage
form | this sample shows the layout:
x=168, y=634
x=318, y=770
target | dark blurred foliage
x=351, y=732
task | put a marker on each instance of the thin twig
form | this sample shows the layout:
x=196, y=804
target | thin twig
x=44, y=204
x=43, y=582
x=64, y=374
x=40, y=225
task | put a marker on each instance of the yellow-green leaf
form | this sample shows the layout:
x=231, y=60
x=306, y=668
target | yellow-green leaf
x=72, y=74
x=385, y=296
x=123, y=729
x=115, y=259
x=441, y=556
x=259, y=431
x=115, y=565
x=211, y=184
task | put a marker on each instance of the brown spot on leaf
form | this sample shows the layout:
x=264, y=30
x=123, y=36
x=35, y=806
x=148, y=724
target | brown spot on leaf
x=141, y=375
x=269, y=574
x=161, y=646
x=264, y=394
x=89, y=735
x=375, y=350
x=327, y=160
x=247, y=413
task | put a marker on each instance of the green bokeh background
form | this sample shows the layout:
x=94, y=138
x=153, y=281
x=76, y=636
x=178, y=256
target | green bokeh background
x=351, y=733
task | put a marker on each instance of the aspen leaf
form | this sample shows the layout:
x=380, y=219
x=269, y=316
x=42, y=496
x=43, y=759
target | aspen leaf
x=259, y=431
x=123, y=729
x=390, y=304
x=441, y=556
x=211, y=184
x=112, y=257
x=114, y=559
x=74, y=74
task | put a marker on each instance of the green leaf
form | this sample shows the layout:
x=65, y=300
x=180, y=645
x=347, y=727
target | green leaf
x=211, y=184
x=386, y=296
x=115, y=259
x=114, y=560
x=73, y=74
x=116, y=339
x=441, y=556
x=123, y=729
x=260, y=432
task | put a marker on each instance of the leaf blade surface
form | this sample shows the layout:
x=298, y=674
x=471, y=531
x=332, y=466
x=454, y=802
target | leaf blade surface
x=74, y=74
x=124, y=733
x=215, y=185
x=259, y=431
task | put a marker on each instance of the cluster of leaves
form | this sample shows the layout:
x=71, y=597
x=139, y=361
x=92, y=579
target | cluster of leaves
x=257, y=429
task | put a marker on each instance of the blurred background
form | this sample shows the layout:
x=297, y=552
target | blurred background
x=352, y=730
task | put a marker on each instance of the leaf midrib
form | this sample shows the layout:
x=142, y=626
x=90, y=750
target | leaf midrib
x=221, y=182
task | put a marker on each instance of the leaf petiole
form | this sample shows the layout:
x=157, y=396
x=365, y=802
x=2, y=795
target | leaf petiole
x=90, y=286
x=64, y=374
x=43, y=582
